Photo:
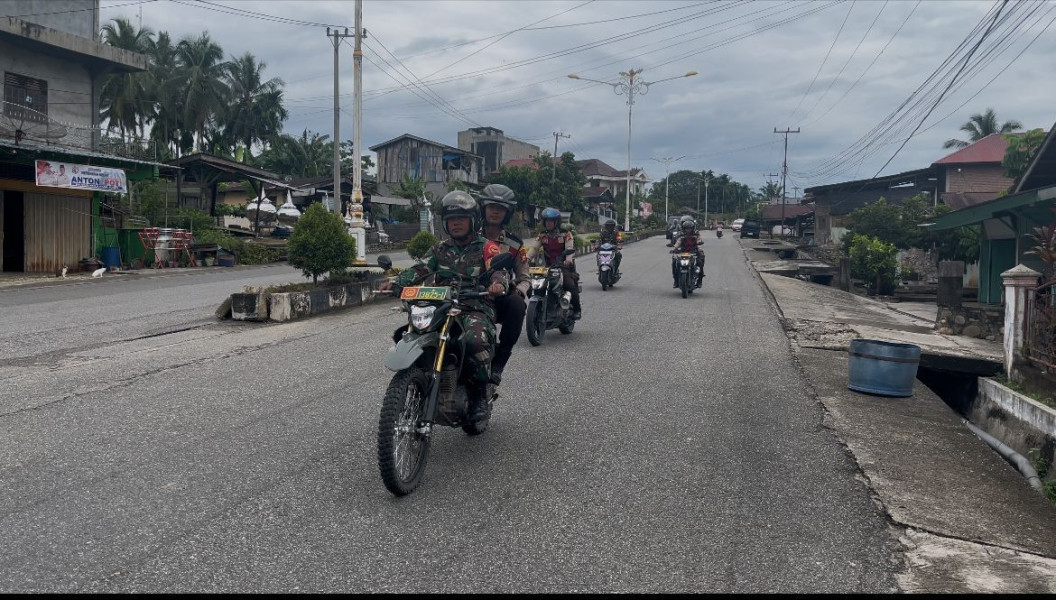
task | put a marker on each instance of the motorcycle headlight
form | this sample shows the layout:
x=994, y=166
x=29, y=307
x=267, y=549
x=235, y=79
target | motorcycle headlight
x=422, y=316
x=685, y=262
x=538, y=283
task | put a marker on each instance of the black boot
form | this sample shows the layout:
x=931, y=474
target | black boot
x=478, y=407
x=502, y=356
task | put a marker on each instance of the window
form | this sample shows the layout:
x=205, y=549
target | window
x=22, y=93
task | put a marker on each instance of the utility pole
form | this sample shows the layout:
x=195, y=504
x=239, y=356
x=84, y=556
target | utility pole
x=338, y=36
x=667, y=178
x=356, y=209
x=556, y=136
x=784, y=175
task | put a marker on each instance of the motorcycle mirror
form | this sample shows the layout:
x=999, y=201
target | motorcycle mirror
x=502, y=262
x=385, y=262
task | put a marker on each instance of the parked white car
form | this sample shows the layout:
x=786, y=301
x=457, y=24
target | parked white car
x=737, y=224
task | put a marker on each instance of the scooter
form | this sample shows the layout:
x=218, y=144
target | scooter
x=607, y=273
x=718, y=232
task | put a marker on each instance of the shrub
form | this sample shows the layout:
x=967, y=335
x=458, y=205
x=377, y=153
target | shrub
x=258, y=254
x=221, y=238
x=319, y=243
x=420, y=244
x=874, y=261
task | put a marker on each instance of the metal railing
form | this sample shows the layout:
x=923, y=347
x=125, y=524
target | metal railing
x=1040, y=343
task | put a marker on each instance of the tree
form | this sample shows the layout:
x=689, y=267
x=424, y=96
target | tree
x=771, y=191
x=310, y=155
x=204, y=92
x=255, y=112
x=124, y=98
x=981, y=125
x=874, y=261
x=319, y=243
x=1021, y=150
x=412, y=188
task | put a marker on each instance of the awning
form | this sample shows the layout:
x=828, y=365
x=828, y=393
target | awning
x=993, y=209
x=390, y=201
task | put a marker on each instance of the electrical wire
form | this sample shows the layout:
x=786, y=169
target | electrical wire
x=823, y=61
x=73, y=10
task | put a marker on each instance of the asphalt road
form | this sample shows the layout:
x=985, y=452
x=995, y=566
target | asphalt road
x=666, y=445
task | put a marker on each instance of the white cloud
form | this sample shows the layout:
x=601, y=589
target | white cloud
x=745, y=88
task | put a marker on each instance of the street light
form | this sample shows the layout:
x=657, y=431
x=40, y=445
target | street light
x=630, y=85
x=667, y=177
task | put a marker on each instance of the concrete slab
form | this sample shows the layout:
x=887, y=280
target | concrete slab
x=930, y=472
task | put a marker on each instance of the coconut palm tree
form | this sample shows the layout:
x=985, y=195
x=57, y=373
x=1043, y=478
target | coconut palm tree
x=980, y=126
x=124, y=97
x=310, y=155
x=203, y=90
x=165, y=93
x=255, y=112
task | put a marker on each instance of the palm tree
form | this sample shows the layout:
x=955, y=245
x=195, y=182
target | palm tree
x=165, y=93
x=305, y=156
x=980, y=126
x=203, y=90
x=124, y=97
x=770, y=191
x=256, y=112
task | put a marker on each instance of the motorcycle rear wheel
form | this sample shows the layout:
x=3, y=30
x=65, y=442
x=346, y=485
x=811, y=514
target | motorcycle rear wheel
x=533, y=325
x=402, y=451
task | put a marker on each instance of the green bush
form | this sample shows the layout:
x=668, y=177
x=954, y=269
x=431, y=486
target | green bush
x=258, y=254
x=874, y=261
x=420, y=244
x=319, y=243
x=221, y=238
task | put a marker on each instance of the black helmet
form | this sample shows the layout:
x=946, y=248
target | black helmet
x=610, y=225
x=460, y=204
x=688, y=223
x=684, y=219
x=496, y=193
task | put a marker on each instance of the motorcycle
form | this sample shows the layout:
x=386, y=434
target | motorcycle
x=607, y=273
x=718, y=232
x=549, y=305
x=428, y=388
x=687, y=272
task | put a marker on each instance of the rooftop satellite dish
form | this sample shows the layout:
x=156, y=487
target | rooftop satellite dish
x=24, y=123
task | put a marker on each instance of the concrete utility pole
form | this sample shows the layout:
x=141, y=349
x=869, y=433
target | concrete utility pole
x=356, y=209
x=337, y=36
x=557, y=135
x=784, y=175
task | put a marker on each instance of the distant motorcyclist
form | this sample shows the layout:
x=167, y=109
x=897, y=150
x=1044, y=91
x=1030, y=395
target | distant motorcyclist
x=497, y=204
x=688, y=241
x=553, y=241
x=462, y=260
x=610, y=235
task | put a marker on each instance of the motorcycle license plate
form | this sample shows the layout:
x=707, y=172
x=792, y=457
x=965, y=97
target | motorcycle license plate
x=537, y=270
x=685, y=255
x=425, y=293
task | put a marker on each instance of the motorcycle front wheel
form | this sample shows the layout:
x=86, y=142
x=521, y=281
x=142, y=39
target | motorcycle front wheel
x=402, y=451
x=533, y=324
x=606, y=280
x=684, y=283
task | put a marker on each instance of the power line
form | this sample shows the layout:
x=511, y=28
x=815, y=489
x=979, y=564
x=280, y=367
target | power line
x=823, y=61
x=73, y=10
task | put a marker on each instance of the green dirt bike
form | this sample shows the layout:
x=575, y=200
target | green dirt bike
x=428, y=388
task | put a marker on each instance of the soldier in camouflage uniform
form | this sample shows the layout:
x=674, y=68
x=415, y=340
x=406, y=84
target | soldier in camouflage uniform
x=497, y=204
x=460, y=262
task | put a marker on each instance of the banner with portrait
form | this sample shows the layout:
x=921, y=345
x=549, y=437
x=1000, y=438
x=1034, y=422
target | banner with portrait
x=52, y=173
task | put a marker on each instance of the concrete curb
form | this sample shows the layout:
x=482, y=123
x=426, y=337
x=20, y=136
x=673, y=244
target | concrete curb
x=290, y=306
x=1018, y=421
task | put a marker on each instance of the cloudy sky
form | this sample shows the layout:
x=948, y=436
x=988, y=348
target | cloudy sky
x=841, y=71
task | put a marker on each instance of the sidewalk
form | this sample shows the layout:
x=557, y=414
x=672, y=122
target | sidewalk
x=972, y=522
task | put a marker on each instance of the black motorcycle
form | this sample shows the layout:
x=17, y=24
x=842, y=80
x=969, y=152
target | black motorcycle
x=549, y=305
x=688, y=277
x=428, y=388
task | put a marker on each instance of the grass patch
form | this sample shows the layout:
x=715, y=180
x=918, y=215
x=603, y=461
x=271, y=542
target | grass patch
x=1043, y=396
x=354, y=275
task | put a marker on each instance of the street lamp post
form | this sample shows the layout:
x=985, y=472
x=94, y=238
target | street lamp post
x=630, y=85
x=667, y=177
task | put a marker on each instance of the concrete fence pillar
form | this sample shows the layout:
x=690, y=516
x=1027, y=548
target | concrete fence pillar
x=1018, y=281
x=951, y=283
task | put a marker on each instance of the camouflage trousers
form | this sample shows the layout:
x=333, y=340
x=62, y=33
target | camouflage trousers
x=478, y=339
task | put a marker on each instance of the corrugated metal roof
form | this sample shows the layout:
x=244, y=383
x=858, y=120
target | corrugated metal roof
x=990, y=149
x=772, y=212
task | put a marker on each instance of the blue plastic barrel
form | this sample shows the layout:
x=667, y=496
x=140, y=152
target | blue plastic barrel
x=882, y=368
x=111, y=257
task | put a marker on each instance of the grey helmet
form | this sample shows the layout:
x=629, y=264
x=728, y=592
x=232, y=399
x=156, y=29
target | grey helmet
x=497, y=193
x=610, y=225
x=460, y=204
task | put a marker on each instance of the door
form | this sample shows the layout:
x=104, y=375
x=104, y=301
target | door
x=14, y=232
x=1002, y=257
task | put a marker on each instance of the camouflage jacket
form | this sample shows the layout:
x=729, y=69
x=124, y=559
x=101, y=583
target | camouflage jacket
x=460, y=267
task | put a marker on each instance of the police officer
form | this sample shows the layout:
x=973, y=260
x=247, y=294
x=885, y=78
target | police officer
x=461, y=261
x=689, y=241
x=552, y=242
x=497, y=204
